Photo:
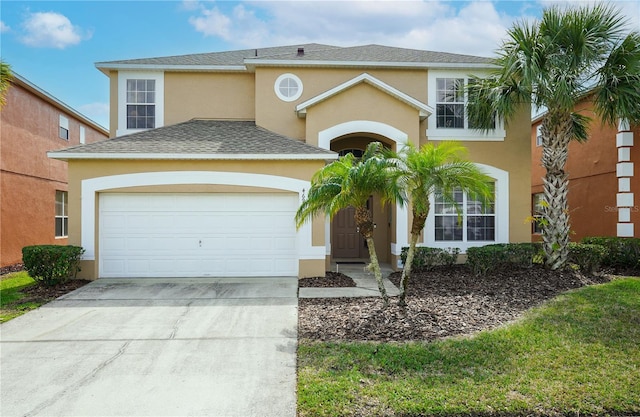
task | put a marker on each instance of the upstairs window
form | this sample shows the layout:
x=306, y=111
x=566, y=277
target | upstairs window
x=448, y=94
x=538, y=136
x=474, y=221
x=450, y=103
x=288, y=87
x=63, y=129
x=62, y=218
x=141, y=104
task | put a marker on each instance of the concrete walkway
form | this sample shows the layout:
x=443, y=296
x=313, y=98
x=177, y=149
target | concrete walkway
x=155, y=347
x=366, y=285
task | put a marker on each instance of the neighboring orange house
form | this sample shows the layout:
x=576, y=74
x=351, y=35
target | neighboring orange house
x=602, y=184
x=33, y=187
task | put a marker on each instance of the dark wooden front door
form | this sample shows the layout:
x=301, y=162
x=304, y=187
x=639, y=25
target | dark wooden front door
x=346, y=239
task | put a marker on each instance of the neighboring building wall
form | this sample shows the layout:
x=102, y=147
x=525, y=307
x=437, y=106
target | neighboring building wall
x=593, y=183
x=30, y=124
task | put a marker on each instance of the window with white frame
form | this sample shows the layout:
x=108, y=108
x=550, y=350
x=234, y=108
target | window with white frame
x=473, y=220
x=537, y=205
x=288, y=87
x=141, y=100
x=538, y=136
x=448, y=93
x=61, y=218
x=82, y=135
x=63, y=129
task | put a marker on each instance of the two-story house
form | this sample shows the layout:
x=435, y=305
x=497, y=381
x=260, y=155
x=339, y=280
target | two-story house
x=33, y=191
x=214, y=152
x=602, y=183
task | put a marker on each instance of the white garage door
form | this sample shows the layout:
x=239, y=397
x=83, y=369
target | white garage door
x=196, y=235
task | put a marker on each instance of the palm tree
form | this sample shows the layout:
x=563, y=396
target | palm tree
x=349, y=182
x=434, y=170
x=554, y=63
x=5, y=79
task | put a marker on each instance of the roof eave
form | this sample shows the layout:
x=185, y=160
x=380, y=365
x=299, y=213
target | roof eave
x=65, y=156
x=107, y=67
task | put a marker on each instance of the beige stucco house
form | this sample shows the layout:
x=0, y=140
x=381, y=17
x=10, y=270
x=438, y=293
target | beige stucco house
x=212, y=154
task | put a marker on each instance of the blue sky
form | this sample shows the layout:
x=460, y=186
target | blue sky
x=55, y=44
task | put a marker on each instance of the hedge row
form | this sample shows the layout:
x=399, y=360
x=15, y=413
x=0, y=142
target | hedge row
x=622, y=252
x=52, y=264
x=427, y=258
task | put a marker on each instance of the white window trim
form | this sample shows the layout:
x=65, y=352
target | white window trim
x=65, y=201
x=501, y=178
x=123, y=76
x=82, y=135
x=538, y=135
x=434, y=133
x=276, y=87
x=63, y=124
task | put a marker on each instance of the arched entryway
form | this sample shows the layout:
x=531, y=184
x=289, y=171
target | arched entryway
x=346, y=242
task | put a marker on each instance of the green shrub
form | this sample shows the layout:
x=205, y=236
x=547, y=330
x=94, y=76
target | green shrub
x=427, y=258
x=622, y=252
x=52, y=264
x=586, y=256
x=488, y=258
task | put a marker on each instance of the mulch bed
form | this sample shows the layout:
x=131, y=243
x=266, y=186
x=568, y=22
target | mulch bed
x=42, y=292
x=441, y=303
x=332, y=279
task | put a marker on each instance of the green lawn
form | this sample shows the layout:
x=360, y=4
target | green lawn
x=10, y=295
x=577, y=354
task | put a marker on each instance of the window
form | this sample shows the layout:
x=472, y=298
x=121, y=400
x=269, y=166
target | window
x=288, y=87
x=537, y=206
x=450, y=103
x=475, y=221
x=538, y=136
x=141, y=99
x=82, y=134
x=448, y=93
x=62, y=218
x=63, y=130
x=356, y=152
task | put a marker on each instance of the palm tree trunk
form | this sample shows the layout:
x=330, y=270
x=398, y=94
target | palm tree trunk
x=417, y=225
x=374, y=266
x=556, y=135
x=365, y=226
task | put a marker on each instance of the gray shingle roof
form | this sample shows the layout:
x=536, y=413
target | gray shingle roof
x=312, y=52
x=225, y=58
x=208, y=139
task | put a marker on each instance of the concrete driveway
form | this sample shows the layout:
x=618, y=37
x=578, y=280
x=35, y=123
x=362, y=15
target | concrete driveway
x=155, y=347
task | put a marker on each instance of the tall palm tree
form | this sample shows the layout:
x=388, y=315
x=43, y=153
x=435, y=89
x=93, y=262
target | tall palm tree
x=570, y=54
x=433, y=170
x=349, y=182
x=5, y=80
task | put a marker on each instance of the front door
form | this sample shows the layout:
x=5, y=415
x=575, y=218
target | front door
x=346, y=239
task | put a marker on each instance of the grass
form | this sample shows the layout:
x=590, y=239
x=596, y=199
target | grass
x=10, y=295
x=577, y=354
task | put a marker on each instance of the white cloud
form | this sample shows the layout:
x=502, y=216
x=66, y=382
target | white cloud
x=51, y=30
x=3, y=27
x=469, y=28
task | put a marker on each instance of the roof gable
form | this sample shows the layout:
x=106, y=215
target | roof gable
x=423, y=109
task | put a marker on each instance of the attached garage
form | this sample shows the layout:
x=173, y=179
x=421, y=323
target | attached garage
x=197, y=235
